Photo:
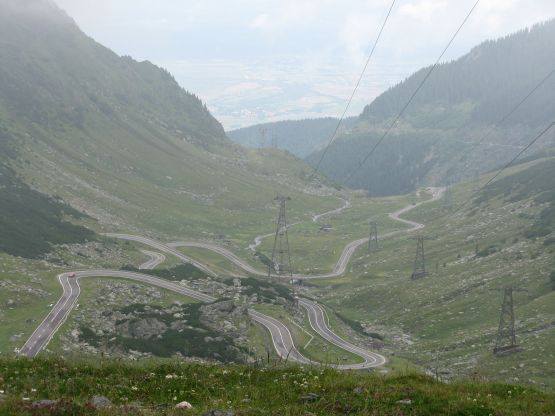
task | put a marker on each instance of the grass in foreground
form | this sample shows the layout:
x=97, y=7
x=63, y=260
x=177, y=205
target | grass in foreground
x=154, y=388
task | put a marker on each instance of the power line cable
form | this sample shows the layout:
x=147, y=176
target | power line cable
x=349, y=102
x=432, y=69
x=515, y=108
x=498, y=123
x=544, y=131
x=536, y=138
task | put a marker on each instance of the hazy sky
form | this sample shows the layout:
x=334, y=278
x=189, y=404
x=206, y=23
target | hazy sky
x=254, y=61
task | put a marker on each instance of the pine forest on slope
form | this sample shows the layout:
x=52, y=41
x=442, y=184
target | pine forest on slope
x=300, y=137
x=435, y=142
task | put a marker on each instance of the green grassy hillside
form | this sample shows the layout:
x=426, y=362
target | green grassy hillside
x=447, y=322
x=31, y=222
x=154, y=388
x=123, y=143
x=92, y=142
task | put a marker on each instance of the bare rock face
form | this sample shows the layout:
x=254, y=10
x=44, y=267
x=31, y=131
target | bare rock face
x=226, y=317
x=226, y=306
x=144, y=328
x=225, y=309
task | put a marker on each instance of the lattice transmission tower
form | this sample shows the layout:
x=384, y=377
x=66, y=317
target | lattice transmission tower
x=262, y=135
x=281, y=256
x=505, y=342
x=373, y=238
x=419, y=270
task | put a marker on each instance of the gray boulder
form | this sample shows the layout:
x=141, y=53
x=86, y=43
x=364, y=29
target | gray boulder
x=100, y=402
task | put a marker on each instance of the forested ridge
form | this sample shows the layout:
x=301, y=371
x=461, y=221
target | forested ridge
x=435, y=141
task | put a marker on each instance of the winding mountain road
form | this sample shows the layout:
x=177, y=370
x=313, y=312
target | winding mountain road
x=281, y=336
x=163, y=248
x=221, y=251
x=346, y=205
x=344, y=259
x=316, y=317
x=285, y=347
x=154, y=260
x=258, y=239
x=71, y=291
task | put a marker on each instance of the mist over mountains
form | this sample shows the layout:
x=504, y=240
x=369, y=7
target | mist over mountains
x=106, y=133
x=459, y=105
x=300, y=137
x=133, y=227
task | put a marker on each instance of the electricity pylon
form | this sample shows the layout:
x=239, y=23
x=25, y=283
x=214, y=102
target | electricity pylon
x=281, y=256
x=373, y=238
x=262, y=131
x=505, y=342
x=420, y=259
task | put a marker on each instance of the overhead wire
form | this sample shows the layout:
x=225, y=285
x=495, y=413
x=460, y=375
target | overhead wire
x=498, y=123
x=359, y=80
x=416, y=91
x=507, y=165
x=515, y=108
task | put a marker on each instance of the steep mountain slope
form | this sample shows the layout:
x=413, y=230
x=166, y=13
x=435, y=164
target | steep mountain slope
x=53, y=74
x=30, y=221
x=447, y=321
x=122, y=142
x=435, y=140
x=536, y=183
x=300, y=137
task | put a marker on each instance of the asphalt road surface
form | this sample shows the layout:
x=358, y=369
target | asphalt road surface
x=281, y=336
x=163, y=248
x=154, y=260
x=221, y=251
x=346, y=204
x=71, y=290
x=282, y=339
x=339, y=267
x=317, y=319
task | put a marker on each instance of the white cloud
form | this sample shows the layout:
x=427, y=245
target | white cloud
x=278, y=17
x=357, y=33
x=254, y=60
x=260, y=22
x=423, y=10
